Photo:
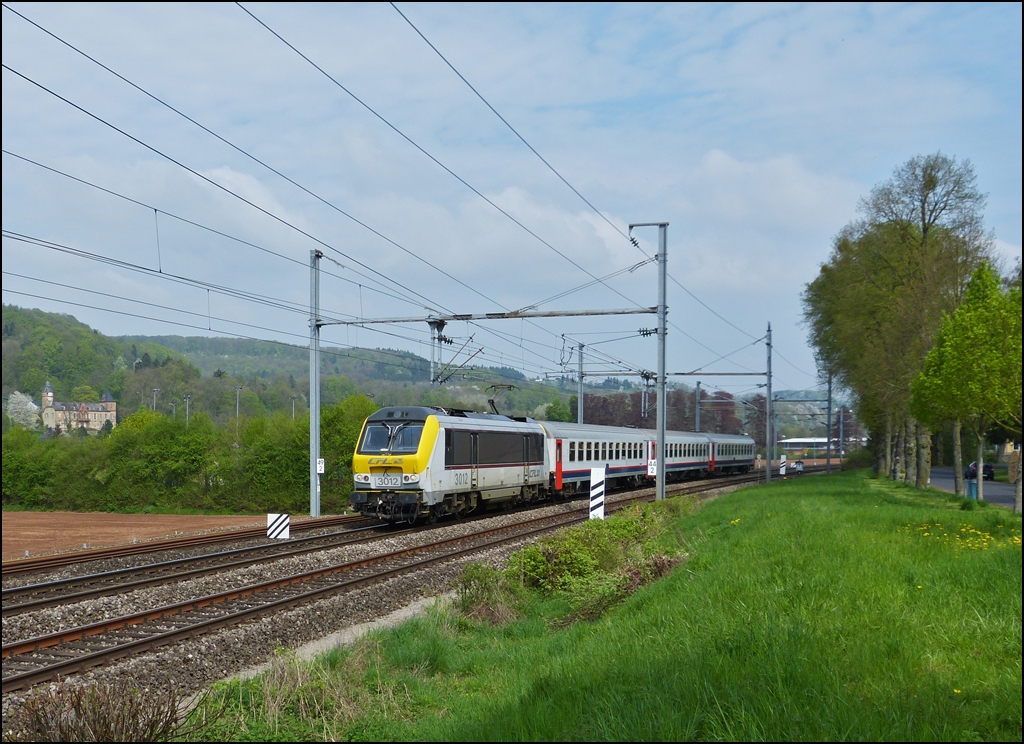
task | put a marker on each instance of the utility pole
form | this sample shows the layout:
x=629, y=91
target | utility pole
x=155, y=391
x=238, y=391
x=579, y=394
x=314, y=382
x=842, y=431
x=662, y=330
x=187, y=397
x=769, y=444
x=696, y=425
x=436, y=326
x=828, y=428
x=174, y=408
x=293, y=408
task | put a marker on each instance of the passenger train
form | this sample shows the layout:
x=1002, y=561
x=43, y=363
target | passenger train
x=415, y=462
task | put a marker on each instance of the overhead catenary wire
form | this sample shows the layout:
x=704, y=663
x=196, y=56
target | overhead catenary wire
x=213, y=183
x=220, y=289
x=249, y=155
x=245, y=153
x=412, y=142
x=562, y=178
x=346, y=355
x=250, y=203
x=215, y=231
x=299, y=307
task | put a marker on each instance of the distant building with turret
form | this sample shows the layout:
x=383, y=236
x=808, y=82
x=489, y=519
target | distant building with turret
x=66, y=417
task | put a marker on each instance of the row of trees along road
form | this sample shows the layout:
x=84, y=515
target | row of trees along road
x=915, y=270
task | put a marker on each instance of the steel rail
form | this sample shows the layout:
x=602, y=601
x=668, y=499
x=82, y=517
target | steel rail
x=59, y=560
x=92, y=657
x=63, y=591
x=51, y=644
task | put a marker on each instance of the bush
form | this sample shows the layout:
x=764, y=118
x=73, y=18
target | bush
x=858, y=458
x=105, y=711
x=592, y=566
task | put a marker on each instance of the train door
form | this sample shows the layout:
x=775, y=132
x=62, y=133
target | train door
x=711, y=457
x=558, y=464
x=526, y=459
x=474, y=460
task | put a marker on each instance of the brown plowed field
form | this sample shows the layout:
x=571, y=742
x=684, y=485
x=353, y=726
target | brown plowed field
x=51, y=532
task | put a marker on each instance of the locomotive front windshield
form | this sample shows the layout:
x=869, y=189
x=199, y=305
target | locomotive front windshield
x=401, y=438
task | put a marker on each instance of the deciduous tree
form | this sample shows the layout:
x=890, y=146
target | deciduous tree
x=973, y=374
x=22, y=410
x=878, y=302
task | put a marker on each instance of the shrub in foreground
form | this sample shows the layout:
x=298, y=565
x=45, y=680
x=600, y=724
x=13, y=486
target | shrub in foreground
x=104, y=711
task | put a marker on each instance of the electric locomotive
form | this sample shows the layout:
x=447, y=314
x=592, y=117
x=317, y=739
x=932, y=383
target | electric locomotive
x=418, y=462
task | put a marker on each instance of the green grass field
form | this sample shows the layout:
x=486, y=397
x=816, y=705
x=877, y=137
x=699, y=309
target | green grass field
x=816, y=609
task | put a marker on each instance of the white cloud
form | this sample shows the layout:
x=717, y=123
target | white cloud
x=751, y=129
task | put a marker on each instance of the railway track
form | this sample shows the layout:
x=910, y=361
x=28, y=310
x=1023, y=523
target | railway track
x=60, y=560
x=31, y=597
x=29, y=662
x=39, y=659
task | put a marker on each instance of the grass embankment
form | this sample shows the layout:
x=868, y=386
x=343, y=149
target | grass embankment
x=815, y=609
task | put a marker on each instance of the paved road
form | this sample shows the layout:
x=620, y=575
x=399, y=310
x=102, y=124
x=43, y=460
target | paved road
x=994, y=493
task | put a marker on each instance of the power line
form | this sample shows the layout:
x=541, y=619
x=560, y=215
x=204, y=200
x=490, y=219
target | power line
x=219, y=289
x=266, y=212
x=247, y=154
x=213, y=183
x=776, y=351
x=301, y=308
x=562, y=178
x=253, y=158
x=513, y=129
x=212, y=230
x=346, y=355
x=412, y=142
x=181, y=280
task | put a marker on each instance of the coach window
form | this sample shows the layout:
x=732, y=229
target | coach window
x=500, y=448
x=572, y=451
x=458, y=448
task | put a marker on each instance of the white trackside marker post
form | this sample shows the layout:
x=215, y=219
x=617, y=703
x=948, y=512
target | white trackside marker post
x=597, y=493
x=782, y=466
x=278, y=526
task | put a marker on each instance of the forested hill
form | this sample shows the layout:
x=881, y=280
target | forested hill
x=246, y=358
x=40, y=346
x=219, y=376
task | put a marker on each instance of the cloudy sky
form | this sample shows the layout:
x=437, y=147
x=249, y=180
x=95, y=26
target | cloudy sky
x=753, y=130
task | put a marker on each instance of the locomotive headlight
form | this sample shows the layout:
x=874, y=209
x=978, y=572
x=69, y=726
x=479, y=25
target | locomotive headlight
x=411, y=478
x=362, y=478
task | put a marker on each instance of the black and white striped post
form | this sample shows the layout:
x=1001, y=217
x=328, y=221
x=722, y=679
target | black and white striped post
x=597, y=493
x=278, y=526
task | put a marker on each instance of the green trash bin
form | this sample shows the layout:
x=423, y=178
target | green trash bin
x=972, y=489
